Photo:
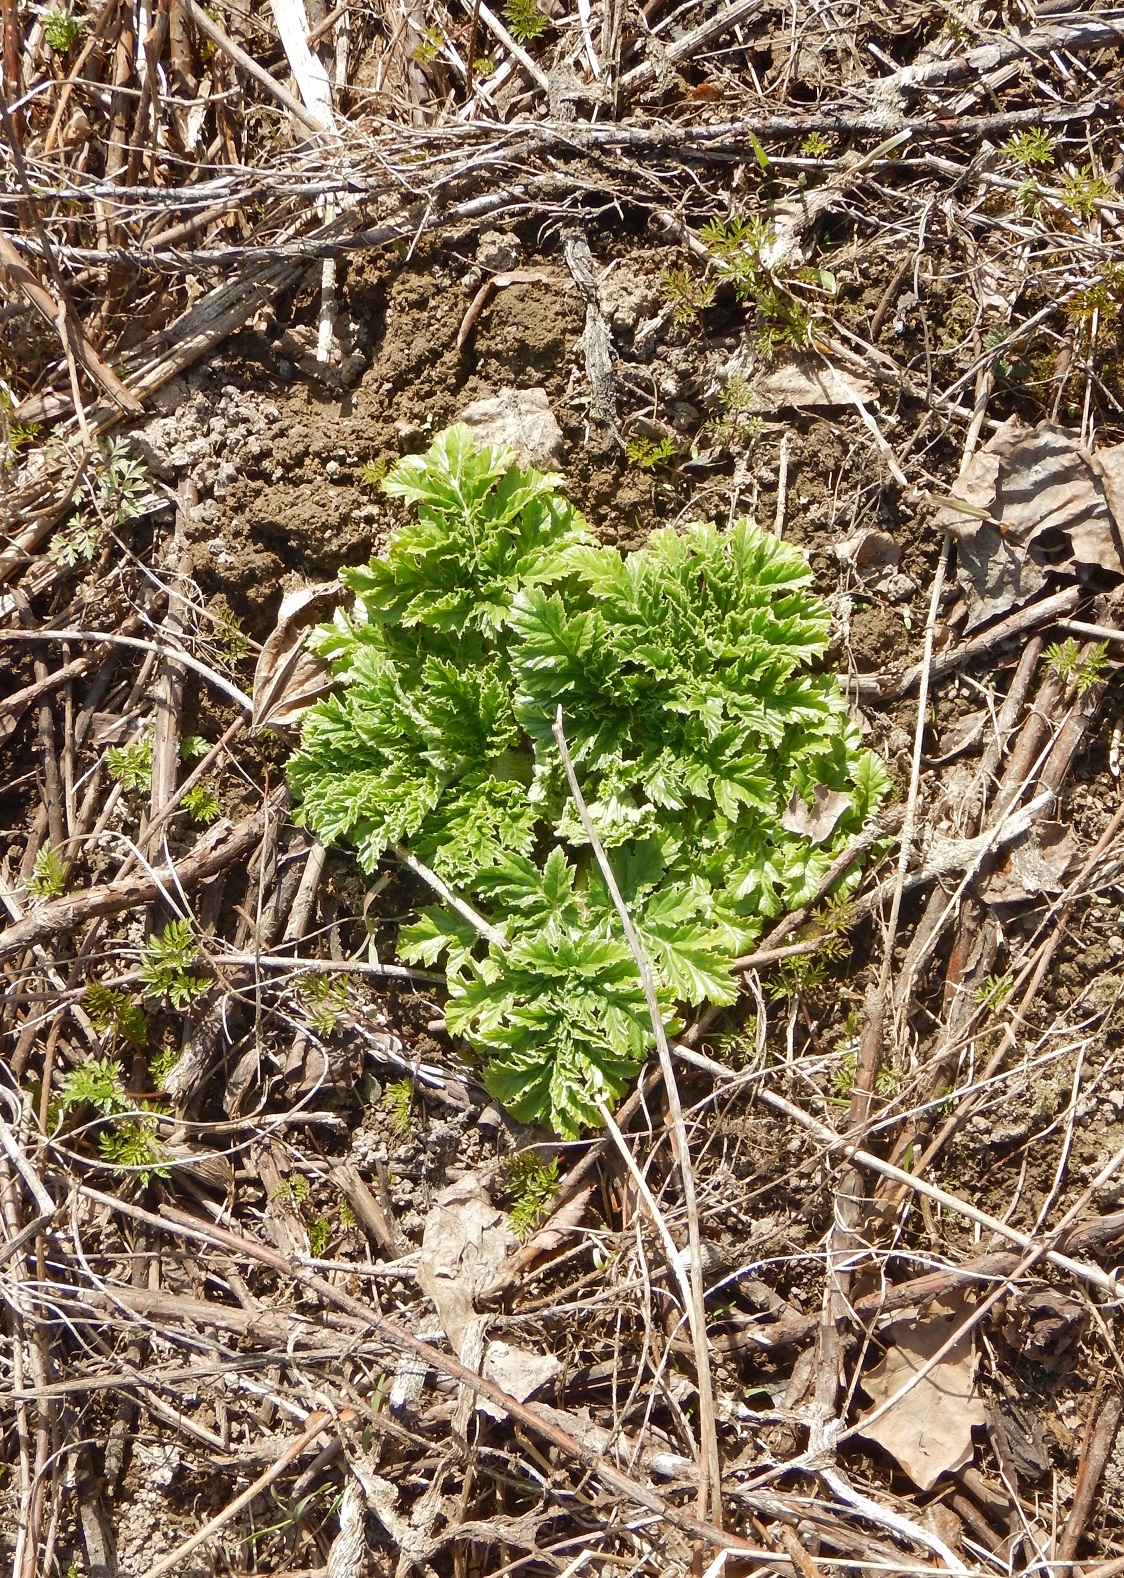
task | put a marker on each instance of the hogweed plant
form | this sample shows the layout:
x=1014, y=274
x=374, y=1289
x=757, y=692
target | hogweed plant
x=697, y=724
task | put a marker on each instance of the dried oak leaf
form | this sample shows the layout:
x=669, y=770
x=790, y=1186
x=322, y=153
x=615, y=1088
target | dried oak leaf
x=289, y=678
x=1038, y=863
x=1031, y=505
x=929, y=1431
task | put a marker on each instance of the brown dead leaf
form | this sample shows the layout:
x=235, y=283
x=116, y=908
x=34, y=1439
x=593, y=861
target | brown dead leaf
x=1038, y=863
x=816, y=822
x=464, y=1242
x=1033, y=505
x=289, y=678
x=806, y=384
x=929, y=1431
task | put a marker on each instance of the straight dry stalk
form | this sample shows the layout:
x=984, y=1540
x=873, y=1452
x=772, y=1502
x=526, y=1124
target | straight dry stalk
x=710, y=1479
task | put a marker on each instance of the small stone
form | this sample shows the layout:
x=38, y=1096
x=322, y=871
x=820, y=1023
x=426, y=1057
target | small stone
x=333, y=469
x=900, y=588
x=498, y=251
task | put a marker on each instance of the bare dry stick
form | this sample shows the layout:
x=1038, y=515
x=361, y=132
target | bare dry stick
x=710, y=1480
x=492, y=22
x=162, y=649
x=315, y=1426
x=444, y=891
x=1094, y=1275
x=175, y=1221
x=1096, y=1449
x=870, y=1047
x=685, y=48
x=169, y=684
x=250, y=66
x=1045, y=612
x=209, y=857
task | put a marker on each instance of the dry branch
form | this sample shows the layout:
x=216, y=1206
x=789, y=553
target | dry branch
x=211, y=855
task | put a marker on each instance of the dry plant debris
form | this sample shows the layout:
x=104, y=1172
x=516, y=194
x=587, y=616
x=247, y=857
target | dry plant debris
x=285, y=1290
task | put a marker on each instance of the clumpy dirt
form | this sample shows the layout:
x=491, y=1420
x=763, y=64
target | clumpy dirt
x=284, y=466
x=278, y=463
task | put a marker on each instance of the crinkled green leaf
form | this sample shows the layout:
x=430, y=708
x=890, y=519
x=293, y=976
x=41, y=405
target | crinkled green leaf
x=684, y=675
x=436, y=932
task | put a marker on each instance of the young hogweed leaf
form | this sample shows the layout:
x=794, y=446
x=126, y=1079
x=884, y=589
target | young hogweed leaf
x=48, y=875
x=111, y=1009
x=684, y=675
x=131, y=765
x=483, y=529
x=438, y=932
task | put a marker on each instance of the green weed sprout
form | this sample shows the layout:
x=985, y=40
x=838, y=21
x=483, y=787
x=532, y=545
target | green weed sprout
x=75, y=543
x=525, y=20
x=128, y=1143
x=398, y=1100
x=48, y=875
x=648, y=453
x=534, y=1186
x=1032, y=149
x=111, y=1009
x=98, y=1083
x=325, y=997
x=133, y=1146
x=1064, y=660
x=131, y=765
x=1082, y=190
x=202, y=804
x=686, y=294
x=694, y=714
x=166, y=962
x=62, y=29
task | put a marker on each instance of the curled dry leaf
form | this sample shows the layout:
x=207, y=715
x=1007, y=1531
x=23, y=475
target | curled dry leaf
x=806, y=385
x=464, y=1243
x=517, y=419
x=289, y=678
x=1037, y=863
x=1044, y=1325
x=1033, y=505
x=930, y=1430
x=817, y=821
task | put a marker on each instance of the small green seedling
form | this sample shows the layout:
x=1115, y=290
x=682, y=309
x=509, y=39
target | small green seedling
x=131, y=765
x=993, y=992
x=110, y=1009
x=1032, y=149
x=817, y=145
x=62, y=29
x=686, y=294
x=533, y=1184
x=166, y=962
x=398, y=1102
x=48, y=875
x=128, y=1143
x=1065, y=661
x=648, y=453
x=525, y=20
x=325, y=998
x=202, y=804
x=1082, y=190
